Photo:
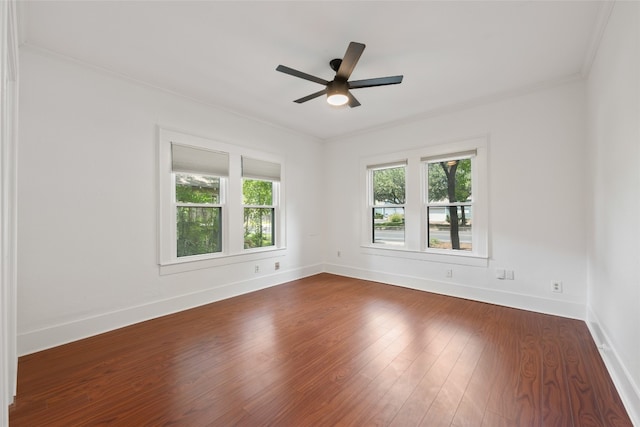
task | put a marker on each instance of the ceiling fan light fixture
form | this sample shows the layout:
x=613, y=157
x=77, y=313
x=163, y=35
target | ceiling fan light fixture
x=337, y=93
x=337, y=99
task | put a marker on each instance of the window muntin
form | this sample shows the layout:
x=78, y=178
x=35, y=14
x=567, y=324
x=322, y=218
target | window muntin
x=449, y=203
x=259, y=213
x=387, y=200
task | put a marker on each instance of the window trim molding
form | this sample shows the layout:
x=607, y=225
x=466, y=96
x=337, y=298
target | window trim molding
x=415, y=246
x=232, y=210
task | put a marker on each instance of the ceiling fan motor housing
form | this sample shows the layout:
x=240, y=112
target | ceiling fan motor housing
x=337, y=86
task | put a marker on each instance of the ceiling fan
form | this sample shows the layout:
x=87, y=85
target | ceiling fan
x=337, y=90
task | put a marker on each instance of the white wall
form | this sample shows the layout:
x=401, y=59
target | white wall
x=536, y=202
x=87, y=203
x=613, y=228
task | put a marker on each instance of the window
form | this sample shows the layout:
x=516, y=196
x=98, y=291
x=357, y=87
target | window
x=387, y=183
x=259, y=194
x=449, y=204
x=198, y=175
x=432, y=205
x=216, y=200
x=198, y=214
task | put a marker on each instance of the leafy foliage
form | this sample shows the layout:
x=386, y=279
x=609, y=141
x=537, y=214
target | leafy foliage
x=198, y=227
x=439, y=181
x=396, y=218
x=198, y=230
x=258, y=227
x=258, y=221
x=197, y=189
x=257, y=192
x=389, y=186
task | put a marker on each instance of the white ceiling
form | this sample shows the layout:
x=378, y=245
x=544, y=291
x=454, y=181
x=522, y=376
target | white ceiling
x=225, y=53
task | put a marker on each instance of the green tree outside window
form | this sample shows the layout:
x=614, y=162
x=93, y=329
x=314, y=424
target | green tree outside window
x=258, y=213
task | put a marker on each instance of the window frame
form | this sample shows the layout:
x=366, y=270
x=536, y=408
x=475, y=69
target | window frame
x=274, y=206
x=371, y=169
x=232, y=235
x=416, y=243
x=471, y=155
x=221, y=205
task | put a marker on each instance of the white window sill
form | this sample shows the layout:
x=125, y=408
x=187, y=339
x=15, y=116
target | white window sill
x=198, y=263
x=446, y=257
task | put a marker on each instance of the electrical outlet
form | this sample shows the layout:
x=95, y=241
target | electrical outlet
x=339, y=254
x=277, y=265
x=509, y=275
x=500, y=273
x=556, y=286
x=256, y=269
x=449, y=273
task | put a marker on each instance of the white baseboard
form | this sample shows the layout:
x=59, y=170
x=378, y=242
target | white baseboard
x=52, y=336
x=628, y=390
x=525, y=302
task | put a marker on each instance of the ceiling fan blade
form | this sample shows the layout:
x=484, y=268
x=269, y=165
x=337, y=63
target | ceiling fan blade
x=300, y=74
x=351, y=57
x=380, y=81
x=353, y=102
x=312, y=96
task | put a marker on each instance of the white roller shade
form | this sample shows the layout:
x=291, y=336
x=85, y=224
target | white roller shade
x=260, y=169
x=450, y=156
x=198, y=161
x=388, y=165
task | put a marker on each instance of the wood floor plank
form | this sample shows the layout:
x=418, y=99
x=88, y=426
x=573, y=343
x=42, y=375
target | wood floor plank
x=609, y=403
x=446, y=403
x=326, y=350
x=585, y=411
x=528, y=390
x=472, y=407
x=501, y=395
x=556, y=404
x=418, y=403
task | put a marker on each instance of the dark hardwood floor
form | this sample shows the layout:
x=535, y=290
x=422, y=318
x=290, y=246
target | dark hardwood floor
x=324, y=351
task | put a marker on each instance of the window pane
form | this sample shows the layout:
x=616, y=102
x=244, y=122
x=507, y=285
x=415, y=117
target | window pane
x=449, y=181
x=449, y=227
x=198, y=230
x=197, y=188
x=257, y=192
x=388, y=186
x=388, y=226
x=258, y=227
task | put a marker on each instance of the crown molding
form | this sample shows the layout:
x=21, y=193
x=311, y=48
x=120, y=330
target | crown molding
x=465, y=105
x=27, y=46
